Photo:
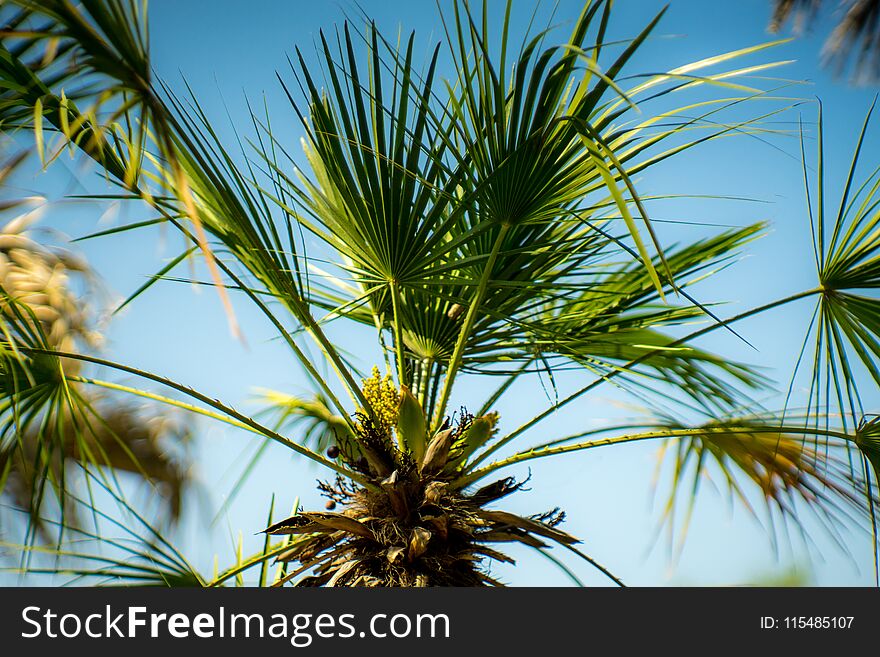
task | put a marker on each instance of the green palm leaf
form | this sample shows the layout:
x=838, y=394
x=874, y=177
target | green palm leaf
x=846, y=330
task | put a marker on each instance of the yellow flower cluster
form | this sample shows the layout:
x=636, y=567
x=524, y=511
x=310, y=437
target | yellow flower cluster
x=384, y=399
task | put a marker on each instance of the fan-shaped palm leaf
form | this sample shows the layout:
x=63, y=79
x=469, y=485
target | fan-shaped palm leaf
x=846, y=327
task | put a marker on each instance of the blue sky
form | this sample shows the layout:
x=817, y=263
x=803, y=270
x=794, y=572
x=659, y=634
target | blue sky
x=230, y=50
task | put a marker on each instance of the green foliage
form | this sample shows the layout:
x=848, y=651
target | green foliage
x=484, y=225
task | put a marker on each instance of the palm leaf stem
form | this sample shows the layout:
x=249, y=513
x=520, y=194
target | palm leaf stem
x=399, y=348
x=162, y=399
x=467, y=326
x=214, y=403
x=647, y=435
x=628, y=367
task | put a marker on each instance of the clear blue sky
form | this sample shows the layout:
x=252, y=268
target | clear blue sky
x=228, y=50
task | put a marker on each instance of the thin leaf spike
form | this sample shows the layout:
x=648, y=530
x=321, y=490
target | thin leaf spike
x=412, y=426
x=477, y=435
x=38, y=131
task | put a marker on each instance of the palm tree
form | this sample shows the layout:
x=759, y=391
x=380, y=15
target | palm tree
x=856, y=35
x=486, y=225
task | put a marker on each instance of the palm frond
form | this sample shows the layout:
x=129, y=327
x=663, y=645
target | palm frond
x=779, y=461
x=855, y=36
x=791, y=477
x=846, y=330
x=466, y=272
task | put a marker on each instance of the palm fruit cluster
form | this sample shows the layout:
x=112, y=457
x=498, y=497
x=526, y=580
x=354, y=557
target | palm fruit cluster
x=413, y=524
